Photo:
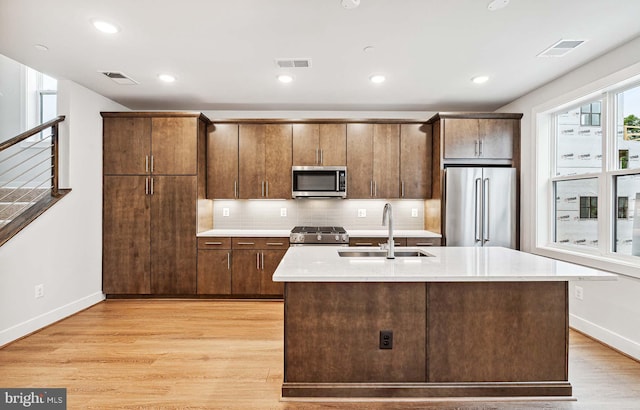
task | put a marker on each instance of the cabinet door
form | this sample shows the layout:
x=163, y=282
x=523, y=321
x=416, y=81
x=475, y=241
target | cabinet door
x=174, y=145
x=497, y=138
x=306, y=142
x=251, y=175
x=359, y=161
x=214, y=272
x=126, y=254
x=126, y=145
x=460, y=137
x=245, y=276
x=386, y=160
x=222, y=162
x=333, y=144
x=269, y=262
x=173, y=236
x=277, y=161
x=415, y=162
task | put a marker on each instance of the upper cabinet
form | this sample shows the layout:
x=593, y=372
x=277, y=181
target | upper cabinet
x=478, y=136
x=264, y=161
x=415, y=161
x=319, y=144
x=222, y=161
x=150, y=145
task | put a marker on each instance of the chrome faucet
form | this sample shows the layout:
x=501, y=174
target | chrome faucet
x=389, y=211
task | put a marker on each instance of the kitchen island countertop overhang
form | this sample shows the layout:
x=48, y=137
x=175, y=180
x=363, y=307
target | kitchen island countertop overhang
x=445, y=264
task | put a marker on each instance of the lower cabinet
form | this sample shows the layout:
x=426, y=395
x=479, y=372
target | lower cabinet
x=398, y=241
x=240, y=266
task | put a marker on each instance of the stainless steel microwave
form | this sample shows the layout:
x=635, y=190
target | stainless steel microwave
x=319, y=182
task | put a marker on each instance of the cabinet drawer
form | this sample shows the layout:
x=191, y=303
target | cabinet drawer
x=423, y=241
x=260, y=243
x=376, y=241
x=214, y=243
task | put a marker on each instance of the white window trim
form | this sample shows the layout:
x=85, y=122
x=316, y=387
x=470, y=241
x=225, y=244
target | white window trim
x=541, y=219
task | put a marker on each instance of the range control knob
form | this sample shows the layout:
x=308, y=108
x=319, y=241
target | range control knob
x=337, y=238
x=319, y=237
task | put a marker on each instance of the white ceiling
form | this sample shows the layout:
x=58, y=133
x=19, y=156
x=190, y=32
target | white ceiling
x=222, y=52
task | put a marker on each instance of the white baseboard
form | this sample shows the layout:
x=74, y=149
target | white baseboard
x=29, y=326
x=606, y=336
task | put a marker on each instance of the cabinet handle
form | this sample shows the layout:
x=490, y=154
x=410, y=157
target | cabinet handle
x=321, y=157
x=146, y=186
x=375, y=189
x=364, y=244
x=402, y=189
x=262, y=186
x=371, y=188
x=246, y=243
x=228, y=260
x=258, y=260
x=151, y=184
x=267, y=190
x=262, y=259
x=152, y=163
x=480, y=145
x=146, y=163
x=213, y=243
x=235, y=189
x=274, y=244
x=424, y=244
x=317, y=161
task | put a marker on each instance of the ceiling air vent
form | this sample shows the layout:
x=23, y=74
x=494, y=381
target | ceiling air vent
x=293, y=62
x=561, y=48
x=119, y=78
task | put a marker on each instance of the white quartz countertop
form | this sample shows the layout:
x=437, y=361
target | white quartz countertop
x=448, y=264
x=370, y=233
x=264, y=233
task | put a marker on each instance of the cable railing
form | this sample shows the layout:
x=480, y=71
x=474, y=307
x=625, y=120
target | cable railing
x=28, y=176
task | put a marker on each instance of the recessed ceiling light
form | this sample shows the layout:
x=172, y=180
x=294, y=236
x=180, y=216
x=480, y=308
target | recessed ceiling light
x=167, y=78
x=377, y=78
x=285, y=78
x=480, y=79
x=105, y=26
x=368, y=49
x=41, y=47
x=350, y=4
x=497, y=5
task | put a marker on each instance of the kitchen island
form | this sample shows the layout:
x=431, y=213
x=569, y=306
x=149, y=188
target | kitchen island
x=461, y=322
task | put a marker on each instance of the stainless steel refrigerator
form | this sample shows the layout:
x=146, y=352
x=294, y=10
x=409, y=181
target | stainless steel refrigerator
x=480, y=206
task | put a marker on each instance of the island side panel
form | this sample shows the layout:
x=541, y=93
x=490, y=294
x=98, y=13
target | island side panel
x=497, y=332
x=332, y=332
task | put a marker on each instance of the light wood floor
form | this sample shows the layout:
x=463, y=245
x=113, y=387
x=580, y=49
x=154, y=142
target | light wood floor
x=179, y=354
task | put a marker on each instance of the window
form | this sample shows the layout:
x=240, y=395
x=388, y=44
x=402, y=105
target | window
x=595, y=175
x=41, y=100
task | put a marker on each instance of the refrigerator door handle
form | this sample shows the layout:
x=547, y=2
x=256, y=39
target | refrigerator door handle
x=478, y=211
x=485, y=211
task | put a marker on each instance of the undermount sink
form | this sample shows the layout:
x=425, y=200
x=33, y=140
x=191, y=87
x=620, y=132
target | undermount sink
x=361, y=253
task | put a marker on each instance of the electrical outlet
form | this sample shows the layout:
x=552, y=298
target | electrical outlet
x=386, y=339
x=39, y=291
x=579, y=292
x=283, y=211
x=414, y=212
x=362, y=213
x=225, y=211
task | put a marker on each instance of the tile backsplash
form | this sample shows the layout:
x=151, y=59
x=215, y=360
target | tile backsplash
x=285, y=214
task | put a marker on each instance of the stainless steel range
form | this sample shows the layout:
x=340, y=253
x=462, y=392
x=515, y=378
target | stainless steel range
x=318, y=235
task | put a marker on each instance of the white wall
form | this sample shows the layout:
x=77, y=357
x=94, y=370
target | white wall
x=11, y=98
x=63, y=248
x=609, y=311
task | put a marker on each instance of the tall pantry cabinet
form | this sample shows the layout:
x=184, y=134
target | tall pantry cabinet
x=153, y=176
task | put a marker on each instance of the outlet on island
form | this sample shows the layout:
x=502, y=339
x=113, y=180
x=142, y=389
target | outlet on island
x=362, y=213
x=386, y=339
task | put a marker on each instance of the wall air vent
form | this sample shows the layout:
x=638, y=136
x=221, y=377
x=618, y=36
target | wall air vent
x=293, y=62
x=119, y=77
x=561, y=48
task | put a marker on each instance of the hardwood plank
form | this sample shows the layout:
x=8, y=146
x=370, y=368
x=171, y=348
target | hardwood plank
x=206, y=354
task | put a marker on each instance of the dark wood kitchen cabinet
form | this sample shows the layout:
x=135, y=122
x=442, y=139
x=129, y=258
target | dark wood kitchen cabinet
x=320, y=144
x=254, y=260
x=415, y=161
x=264, y=161
x=373, y=161
x=214, y=266
x=153, y=177
x=222, y=161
